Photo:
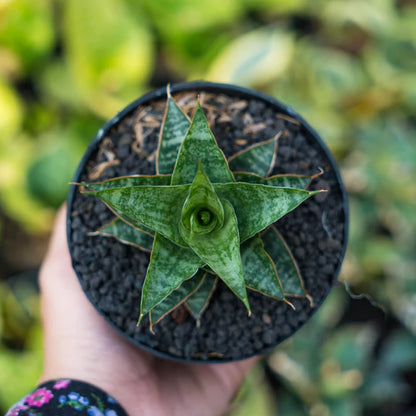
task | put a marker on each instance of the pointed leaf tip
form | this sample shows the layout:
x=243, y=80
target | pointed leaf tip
x=172, y=133
x=267, y=204
x=311, y=302
x=290, y=304
x=200, y=144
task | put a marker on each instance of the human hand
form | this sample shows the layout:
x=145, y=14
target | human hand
x=79, y=344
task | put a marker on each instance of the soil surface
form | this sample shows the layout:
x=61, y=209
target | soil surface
x=112, y=274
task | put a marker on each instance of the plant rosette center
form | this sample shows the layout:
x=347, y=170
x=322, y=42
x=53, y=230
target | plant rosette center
x=205, y=218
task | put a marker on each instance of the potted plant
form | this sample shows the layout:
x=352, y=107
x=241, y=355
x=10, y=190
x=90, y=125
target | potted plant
x=200, y=214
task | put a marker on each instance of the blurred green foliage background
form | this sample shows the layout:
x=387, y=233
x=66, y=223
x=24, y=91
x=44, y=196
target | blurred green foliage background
x=349, y=67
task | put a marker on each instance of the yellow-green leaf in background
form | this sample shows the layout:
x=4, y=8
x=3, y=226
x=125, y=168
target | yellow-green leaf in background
x=391, y=59
x=27, y=31
x=253, y=59
x=58, y=86
x=276, y=7
x=328, y=74
x=375, y=16
x=11, y=110
x=50, y=173
x=15, y=200
x=173, y=16
x=109, y=53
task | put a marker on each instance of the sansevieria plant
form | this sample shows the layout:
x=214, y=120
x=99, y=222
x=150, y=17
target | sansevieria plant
x=203, y=217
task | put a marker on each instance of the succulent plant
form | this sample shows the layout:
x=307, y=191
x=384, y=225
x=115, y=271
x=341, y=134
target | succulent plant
x=203, y=218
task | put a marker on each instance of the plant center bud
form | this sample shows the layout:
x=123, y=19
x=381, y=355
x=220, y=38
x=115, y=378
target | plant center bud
x=204, y=217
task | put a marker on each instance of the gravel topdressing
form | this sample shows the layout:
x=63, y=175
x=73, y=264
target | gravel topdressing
x=112, y=274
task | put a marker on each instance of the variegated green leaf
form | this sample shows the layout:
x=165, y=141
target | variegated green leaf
x=258, y=158
x=200, y=144
x=198, y=301
x=173, y=131
x=280, y=181
x=177, y=297
x=169, y=266
x=157, y=207
x=258, y=206
x=220, y=249
x=284, y=261
x=127, y=234
x=260, y=273
x=128, y=181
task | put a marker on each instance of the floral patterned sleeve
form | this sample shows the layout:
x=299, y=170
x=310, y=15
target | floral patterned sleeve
x=66, y=398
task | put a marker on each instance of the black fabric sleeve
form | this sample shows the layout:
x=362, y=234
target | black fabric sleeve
x=65, y=397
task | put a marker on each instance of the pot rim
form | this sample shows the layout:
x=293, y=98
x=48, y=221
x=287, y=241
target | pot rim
x=212, y=87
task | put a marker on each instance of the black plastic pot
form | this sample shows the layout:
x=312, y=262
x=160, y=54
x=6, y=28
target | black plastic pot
x=317, y=233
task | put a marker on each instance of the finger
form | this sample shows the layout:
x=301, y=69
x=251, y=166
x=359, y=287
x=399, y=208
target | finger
x=63, y=300
x=56, y=266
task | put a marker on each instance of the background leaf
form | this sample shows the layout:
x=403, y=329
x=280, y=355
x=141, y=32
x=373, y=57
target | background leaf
x=254, y=59
x=109, y=58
